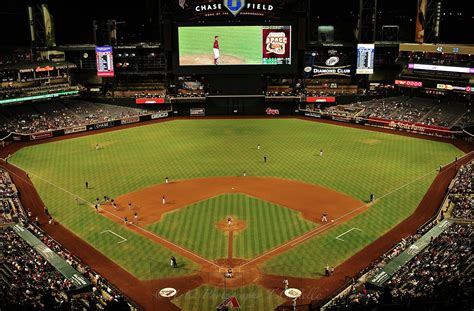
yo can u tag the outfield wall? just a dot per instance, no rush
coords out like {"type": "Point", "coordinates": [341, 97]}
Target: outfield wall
{"type": "Point", "coordinates": [89, 127]}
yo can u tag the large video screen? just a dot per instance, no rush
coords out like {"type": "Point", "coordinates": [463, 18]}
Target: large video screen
{"type": "Point", "coordinates": [234, 45]}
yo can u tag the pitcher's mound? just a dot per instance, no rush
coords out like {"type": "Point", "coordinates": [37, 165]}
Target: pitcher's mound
{"type": "Point", "coordinates": [235, 226]}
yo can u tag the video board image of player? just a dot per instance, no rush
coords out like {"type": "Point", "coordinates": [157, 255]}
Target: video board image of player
{"type": "Point", "coordinates": [234, 45]}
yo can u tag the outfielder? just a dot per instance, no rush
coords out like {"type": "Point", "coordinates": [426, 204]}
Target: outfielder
{"type": "Point", "coordinates": [216, 50]}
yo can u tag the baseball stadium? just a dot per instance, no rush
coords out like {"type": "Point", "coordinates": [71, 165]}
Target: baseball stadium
{"type": "Point", "coordinates": [236, 155]}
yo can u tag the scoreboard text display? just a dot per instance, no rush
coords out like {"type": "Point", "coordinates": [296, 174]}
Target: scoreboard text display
{"type": "Point", "coordinates": [234, 45]}
{"type": "Point", "coordinates": [365, 58]}
{"type": "Point", "coordinates": [104, 60]}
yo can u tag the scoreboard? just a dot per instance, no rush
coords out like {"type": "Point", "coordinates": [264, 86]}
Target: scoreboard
{"type": "Point", "coordinates": [365, 58]}
{"type": "Point", "coordinates": [104, 60]}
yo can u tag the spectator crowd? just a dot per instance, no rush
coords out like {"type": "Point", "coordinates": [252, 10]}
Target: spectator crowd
{"type": "Point", "coordinates": [439, 275]}
{"type": "Point", "coordinates": [10, 205]}
{"type": "Point", "coordinates": [65, 114]}
{"type": "Point", "coordinates": [461, 194]}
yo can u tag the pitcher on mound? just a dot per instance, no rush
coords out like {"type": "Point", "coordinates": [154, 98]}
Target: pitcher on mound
{"type": "Point", "coordinates": [216, 50]}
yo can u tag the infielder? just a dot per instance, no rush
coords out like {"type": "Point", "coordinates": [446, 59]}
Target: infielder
{"type": "Point", "coordinates": [325, 217]}
{"type": "Point", "coordinates": [216, 50]}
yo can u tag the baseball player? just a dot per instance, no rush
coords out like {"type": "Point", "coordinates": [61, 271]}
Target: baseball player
{"type": "Point", "coordinates": [135, 216]}
{"type": "Point", "coordinates": [163, 199]}
{"type": "Point", "coordinates": [258, 146]}
{"type": "Point", "coordinates": [285, 283]}
{"type": "Point", "coordinates": [321, 152]}
{"type": "Point", "coordinates": [229, 221]}
{"type": "Point", "coordinates": [166, 180]}
{"type": "Point", "coordinates": [325, 217]}
{"type": "Point", "coordinates": [216, 50]}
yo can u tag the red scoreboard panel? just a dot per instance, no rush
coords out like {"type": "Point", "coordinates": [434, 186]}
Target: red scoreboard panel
{"type": "Point", "coordinates": [149, 101]}
{"type": "Point", "coordinates": [320, 99]}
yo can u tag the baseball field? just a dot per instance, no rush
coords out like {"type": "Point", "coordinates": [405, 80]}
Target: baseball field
{"type": "Point", "coordinates": [239, 45]}
{"type": "Point", "coordinates": [275, 231]}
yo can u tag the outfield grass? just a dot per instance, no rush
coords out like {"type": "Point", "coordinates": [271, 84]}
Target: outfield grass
{"type": "Point", "coordinates": [268, 225]}
{"type": "Point", "coordinates": [250, 298]}
{"type": "Point", "coordinates": [244, 42]}
{"type": "Point", "coordinates": [355, 162]}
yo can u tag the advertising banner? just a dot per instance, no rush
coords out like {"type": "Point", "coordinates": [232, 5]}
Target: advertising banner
{"type": "Point", "coordinates": [276, 45]}
{"type": "Point", "coordinates": [409, 83]}
{"type": "Point", "coordinates": [272, 112]}
{"type": "Point", "coordinates": [75, 130]}
{"type": "Point", "coordinates": [329, 61]}
{"type": "Point", "coordinates": [159, 115]}
{"type": "Point", "coordinates": [320, 99]}
{"type": "Point", "coordinates": [43, 135]}
{"type": "Point", "coordinates": [102, 125]}
{"type": "Point", "coordinates": [197, 112]}
{"type": "Point", "coordinates": [312, 114]}
{"type": "Point", "coordinates": [130, 120]}
{"type": "Point", "coordinates": [409, 126]}
{"type": "Point", "coordinates": [157, 100]}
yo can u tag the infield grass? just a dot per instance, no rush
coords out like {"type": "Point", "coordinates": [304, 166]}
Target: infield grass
{"type": "Point", "coordinates": [355, 162]}
{"type": "Point", "coordinates": [268, 225]}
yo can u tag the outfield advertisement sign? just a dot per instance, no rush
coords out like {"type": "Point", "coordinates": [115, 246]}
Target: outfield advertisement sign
{"type": "Point", "coordinates": [37, 136]}
{"type": "Point", "coordinates": [102, 125]}
{"type": "Point", "coordinates": [193, 112]}
{"type": "Point", "coordinates": [159, 115]}
{"type": "Point", "coordinates": [411, 127]}
{"type": "Point", "coordinates": [312, 114]}
{"type": "Point", "coordinates": [272, 112]}
{"type": "Point", "coordinates": [75, 130]}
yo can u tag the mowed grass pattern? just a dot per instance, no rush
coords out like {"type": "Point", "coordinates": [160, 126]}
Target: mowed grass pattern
{"type": "Point", "coordinates": [137, 254]}
{"type": "Point", "coordinates": [355, 162]}
{"type": "Point", "coordinates": [194, 227]}
{"type": "Point", "coordinates": [310, 258]}
{"type": "Point", "coordinates": [250, 298]}
{"type": "Point", "coordinates": [244, 42]}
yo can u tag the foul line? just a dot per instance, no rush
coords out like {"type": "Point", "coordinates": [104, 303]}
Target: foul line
{"type": "Point", "coordinates": [118, 217]}
{"type": "Point", "coordinates": [123, 239]}
{"type": "Point", "coordinates": [339, 236]}
{"type": "Point", "coordinates": [310, 234]}
{"type": "Point", "coordinates": [291, 243]}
